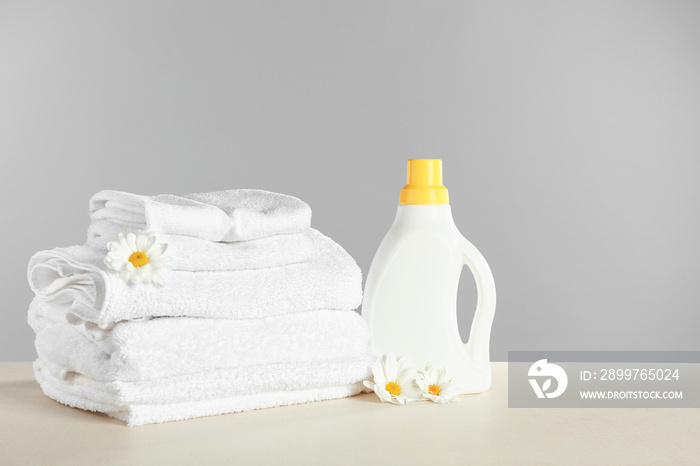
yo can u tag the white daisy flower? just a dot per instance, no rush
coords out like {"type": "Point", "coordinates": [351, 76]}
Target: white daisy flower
{"type": "Point", "coordinates": [139, 258]}
{"type": "Point", "coordinates": [436, 385]}
{"type": "Point", "coordinates": [394, 380]}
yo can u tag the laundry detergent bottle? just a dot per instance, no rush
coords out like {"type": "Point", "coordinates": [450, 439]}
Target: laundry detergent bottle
{"type": "Point", "coordinates": [410, 298]}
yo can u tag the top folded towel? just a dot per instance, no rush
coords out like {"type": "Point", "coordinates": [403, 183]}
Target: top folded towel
{"type": "Point", "coordinates": [233, 215]}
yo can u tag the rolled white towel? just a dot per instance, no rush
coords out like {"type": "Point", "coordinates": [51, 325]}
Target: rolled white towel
{"type": "Point", "coordinates": [233, 215]}
{"type": "Point", "coordinates": [207, 393]}
{"type": "Point", "coordinates": [77, 279]}
{"type": "Point", "coordinates": [166, 347]}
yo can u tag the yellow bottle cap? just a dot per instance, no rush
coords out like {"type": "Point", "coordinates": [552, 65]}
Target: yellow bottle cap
{"type": "Point", "coordinates": [424, 183]}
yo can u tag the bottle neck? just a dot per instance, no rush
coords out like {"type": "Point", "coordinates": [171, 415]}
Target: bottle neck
{"type": "Point", "coordinates": [424, 215]}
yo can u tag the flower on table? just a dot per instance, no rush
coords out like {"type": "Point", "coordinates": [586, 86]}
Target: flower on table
{"type": "Point", "coordinates": [436, 386]}
{"type": "Point", "coordinates": [394, 380]}
{"type": "Point", "coordinates": [139, 258]}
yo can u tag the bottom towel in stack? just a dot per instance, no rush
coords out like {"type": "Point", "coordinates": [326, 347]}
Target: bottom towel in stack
{"type": "Point", "coordinates": [148, 402]}
{"type": "Point", "coordinates": [167, 369]}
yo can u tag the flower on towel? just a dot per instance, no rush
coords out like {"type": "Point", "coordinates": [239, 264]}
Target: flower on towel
{"type": "Point", "coordinates": [394, 380]}
{"type": "Point", "coordinates": [139, 258]}
{"type": "Point", "coordinates": [436, 386]}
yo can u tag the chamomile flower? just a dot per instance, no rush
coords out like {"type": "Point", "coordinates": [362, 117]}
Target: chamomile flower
{"type": "Point", "coordinates": [436, 385]}
{"type": "Point", "coordinates": [394, 380]}
{"type": "Point", "coordinates": [139, 258]}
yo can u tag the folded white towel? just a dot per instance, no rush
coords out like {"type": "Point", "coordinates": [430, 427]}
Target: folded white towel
{"type": "Point", "coordinates": [194, 254]}
{"type": "Point", "coordinates": [233, 215]}
{"type": "Point", "coordinates": [78, 282]}
{"type": "Point", "coordinates": [208, 393]}
{"type": "Point", "coordinates": [166, 347]}
{"type": "Point", "coordinates": [246, 380]}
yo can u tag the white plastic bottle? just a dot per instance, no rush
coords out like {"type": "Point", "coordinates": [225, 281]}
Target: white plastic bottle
{"type": "Point", "coordinates": [410, 296]}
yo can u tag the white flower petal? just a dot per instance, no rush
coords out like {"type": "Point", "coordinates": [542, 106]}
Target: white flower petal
{"type": "Point", "coordinates": [411, 393]}
{"type": "Point", "coordinates": [434, 398]}
{"type": "Point", "coordinates": [142, 242]}
{"type": "Point", "coordinates": [441, 376]}
{"type": "Point", "coordinates": [156, 250]}
{"type": "Point", "coordinates": [378, 373]}
{"type": "Point", "coordinates": [115, 263]}
{"type": "Point", "coordinates": [144, 272]}
{"type": "Point", "coordinates": [151, 240]}
{"type": "Point", "coordinates": [391, 367]}
{"type": "Point", "coordinates": [422, 379]}
{"type": "Point", "coordinates": [131, 242]}
{"type": "Point", "coordinates": [125, 275]}
{"type": "Point", "coordinates": [118, 247]}
{"type": "Point", "coordinates": [385, 396]}
{"type": "Point", "coordinates": [405, 376]}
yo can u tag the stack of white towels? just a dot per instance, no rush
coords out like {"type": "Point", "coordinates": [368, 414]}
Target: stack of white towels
{"type": "Point", "coordinates": [257, 311]}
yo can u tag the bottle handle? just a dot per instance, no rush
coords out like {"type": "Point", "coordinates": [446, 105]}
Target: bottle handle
{"type": "Point", "coordinates": [479, 337]}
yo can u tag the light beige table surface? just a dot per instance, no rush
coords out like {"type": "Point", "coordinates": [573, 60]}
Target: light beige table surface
{"type": "Point", "coordinates": [479, 429]}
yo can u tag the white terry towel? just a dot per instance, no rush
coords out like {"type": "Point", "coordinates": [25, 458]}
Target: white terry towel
{"type": "Point", "coordinates": [233, 215]}
{"type": "Point", "coordinates": [166, 347]}
{"type": "Point", "coordinates": [77, 280]}
{"type": "Point", "coordinates": [208, 393]}
{"type": "Point", "coordinates": [194, 254]}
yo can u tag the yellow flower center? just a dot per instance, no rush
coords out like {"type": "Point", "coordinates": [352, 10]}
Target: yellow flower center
{"type": "Point", "coordinates": [434, 390]}
{"type": "Point", "coordinates": [138, 259]}
{"type": "Point", "coordinates": [393, 388]}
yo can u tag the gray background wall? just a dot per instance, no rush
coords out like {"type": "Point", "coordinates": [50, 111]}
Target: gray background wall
{"type": "Point", "coordinates": [570, 134]}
